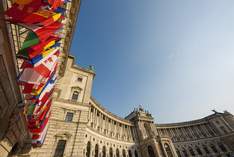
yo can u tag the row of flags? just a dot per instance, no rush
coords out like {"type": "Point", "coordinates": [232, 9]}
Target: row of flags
{"type": "Point", "coordinates": [40, 54]}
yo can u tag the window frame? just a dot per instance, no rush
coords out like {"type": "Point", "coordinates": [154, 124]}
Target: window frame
{"type": "Point", "coordinates": [67, 120]}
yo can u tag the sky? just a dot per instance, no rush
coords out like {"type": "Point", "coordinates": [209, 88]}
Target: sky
{"type": "Point", "coordinates": [173, 57]}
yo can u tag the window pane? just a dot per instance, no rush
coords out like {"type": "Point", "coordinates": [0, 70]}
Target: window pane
{"type": "Point", "coordinates": [75, 95]}
{"type": "Point", "coordinates": [69, 117]}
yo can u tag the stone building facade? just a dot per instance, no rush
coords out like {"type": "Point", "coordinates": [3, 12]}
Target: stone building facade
{"type": "Point", "coordinates": [81, 127]}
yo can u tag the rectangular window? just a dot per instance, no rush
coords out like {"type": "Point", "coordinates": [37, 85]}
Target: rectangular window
{"type": "Point", "coordinates": [59, 151]}
{"type": "Point", "coordinates": [69, 117]}
{"type": "Point", "coordinates": [75, 95]}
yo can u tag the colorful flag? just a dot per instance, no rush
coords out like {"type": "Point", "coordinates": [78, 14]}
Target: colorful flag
{"type": "Point", "coordinates": [41, 17]}
{"type": "Point", "coordinates": [17, 12]}
{"type": "Point", "coordinates": [35, 50]}
{"type": "Point", "coordinates": [55, 3]}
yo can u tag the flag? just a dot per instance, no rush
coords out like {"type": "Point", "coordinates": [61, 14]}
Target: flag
{"type": "Point", "coordinates": [55, 3]}
{"type": "Point", "coordinates": [17, 12]}
{"type": "Point", "coordinates": [35, 50]}
{"type": "Point", "coordinates": [23, 2]}
{"type": "Point", "coordinates": [41, 17]}
{"type": "Point", "coordinates": [40, 140]}
{"type": "Point", "coordinates": [40, 34]}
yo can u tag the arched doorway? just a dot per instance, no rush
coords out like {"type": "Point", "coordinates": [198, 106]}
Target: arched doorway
{"type": "Point", "coordinates": [168, 150]}
{"type": "Point", "coordinates": [104, 151]}
{"type": "Point", "coordinates": [124, 153]}
{"type": "Point", "coordinates": [96, 151]}
{"type": "Point", "coordinates": [111, 152]}
{"type": "Point", "coordinates": [151, 151]}
{"type": "Point", "coordinates": [88, 149]}
{"type": "Point", "coordinates": [117, 152]}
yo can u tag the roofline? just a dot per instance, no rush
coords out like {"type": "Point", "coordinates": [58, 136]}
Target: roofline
{"type": "Point", "coordinates": [76, 66]}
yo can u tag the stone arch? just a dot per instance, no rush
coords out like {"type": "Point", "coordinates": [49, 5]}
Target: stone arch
{"type": "Point", "coordinates": [135, 153]}
{"type": "Point", "coordinates": [110, 152]}
{"type": "Point", "coordinates": [151, 151]}
{"type": "Point", "coordinates": [168, 150]}
{"type": "Point", "coordinates": [129, 153]}
{"type": "Point", "coordinates": [124, 153]}
{"type": "Point", "coordinates": [117, 152]}
{"type": "Point", "coordinates": [88, 149]}
{"type": "Point", "coordinates": [104, 151]}
{"type": "Point", "coordinates": [96, 150]}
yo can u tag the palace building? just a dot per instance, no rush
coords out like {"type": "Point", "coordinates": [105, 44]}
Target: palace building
{"type": "Point", "coordinates": [79, 126]}
{"type": "Point", "coordinates": [82, 127]}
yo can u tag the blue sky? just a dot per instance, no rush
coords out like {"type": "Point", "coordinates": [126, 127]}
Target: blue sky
{"type": "Point", "coordinates": [175, 57]}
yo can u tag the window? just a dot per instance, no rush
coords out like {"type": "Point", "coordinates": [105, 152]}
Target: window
{"type": "Point", "coordinates": [69, 117]}
{"type": "Point", "coordinates": [104, 151]}
{"type": "Point", "coordinates": [129, 153]}
{"type": "Point", "coordinates": [191, 151]}
{"type": "Point", "coordinates": [96, 150]}
{"type": "Point", "coordinates": [75, 95]}
{"type": "Point", "coordinates": [198, 150]}
{"type": "Point", "coordinates": [117, 153]}
{"type": "Point", "coordinates": [88, 149]}
{"type": "Point", "coordinates": [80, 79]}
{"type": "Point", "coordinates": [60, 148]}
{"type": "Point", "coordinates": [135, 153]}
{"type": "Point", "coordinates": [111, 152]}
{"type": "Point", "coordinates": [124, 153]}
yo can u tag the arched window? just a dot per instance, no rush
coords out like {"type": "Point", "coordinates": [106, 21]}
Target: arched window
{"type": "Point", "coordinates": [111, 152]}
{"type": "Point", "coordinates": [168, 150]}
{"type": "Point", "coordinates": [104, 151]}
{"type": "Point", "coordinates": [96, 151]}
{"type": "Point", "coordinates": [88, 149]}
{"type": "Point", "coordinates": [198, 150]}
{"type": "Point", "coordinates": [135, 153]}
{"type": "Point", "coordinates": [206, 149]}
{"type": "Point", "coordinates": [151, 151]}
{"type": "Point", "coordinates": [191, 151]}
{"type": "Point", "coordinates": [213, 148]}
{"type": "Point", "coordinates": [75, 95]}
{"type": "Point", "coordinates": [117, 152]}
{"type": "Point", "coordinates": [129, 153]}
{"type": "Point", "coordinates": [178, 153]}
{"type": "Point", "coordinates": [222, 147]}
{"type": "Point", "coordinates": [124, 153]}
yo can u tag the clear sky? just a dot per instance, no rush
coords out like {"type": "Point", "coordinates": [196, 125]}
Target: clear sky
{"type": "Point", "coordinates": [175, 57]}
